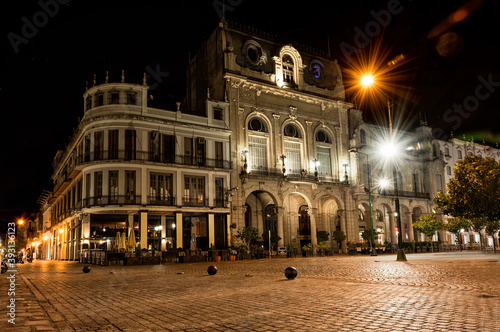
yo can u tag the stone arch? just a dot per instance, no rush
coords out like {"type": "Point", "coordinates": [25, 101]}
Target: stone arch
{"type": "Point", "coordinates": [258, 202]}
{"type": "Point", "coordinates": [406, 228]}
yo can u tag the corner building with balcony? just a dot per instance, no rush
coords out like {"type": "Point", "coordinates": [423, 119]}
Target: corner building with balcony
{"type": "Point", "coordinates": [162, 173]}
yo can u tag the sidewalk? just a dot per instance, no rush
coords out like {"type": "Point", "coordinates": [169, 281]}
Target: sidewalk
{"type": "Point", "coordinates": [429, 292]}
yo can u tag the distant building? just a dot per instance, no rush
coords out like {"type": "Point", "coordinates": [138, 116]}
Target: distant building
{"type": "Point", "coordinates": [451, 152]}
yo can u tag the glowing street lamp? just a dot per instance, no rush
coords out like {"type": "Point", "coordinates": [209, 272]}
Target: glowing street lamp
{"type": "Point", "coordinates": [390, 151]}
{"type": "Point", "coordinates": [367, 80]}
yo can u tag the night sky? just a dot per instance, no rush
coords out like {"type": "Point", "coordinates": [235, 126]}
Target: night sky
{"type": "Point", "coordinates": [43, 70]}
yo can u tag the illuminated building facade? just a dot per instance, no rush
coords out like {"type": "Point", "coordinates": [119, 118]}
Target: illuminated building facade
{"type": "Point", "coordinates": [266, 138]}
{"type": "Point", "coordinates": [163, 173]}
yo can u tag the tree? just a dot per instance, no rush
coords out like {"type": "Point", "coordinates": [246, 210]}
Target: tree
{"type": "Point", "coordinates": [322, 236]}
{"type": "Point", "coordinates": [474, 192]}
{"type": "Point", "coordinates": [455, 225]}
{"type": "Point", "coordinates": [339, 236]}
{"type": "Point", "coordinates": [428, 224]}
{"type": "Point", "coordinates": [367, 236]}
{"type": "Point", "coordinates": [248, 235]}
{"type": "Point", "coordinates": [492, 227]}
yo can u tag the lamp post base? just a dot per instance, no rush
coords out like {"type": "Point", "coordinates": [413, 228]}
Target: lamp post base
{"type": "Point", "coordinates": [401, 255]}
{"type": "Point", "coordinates": [374, 252]}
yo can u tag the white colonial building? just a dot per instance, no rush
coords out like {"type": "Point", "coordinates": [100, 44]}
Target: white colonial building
{"type": "Point", "coordinates": [163, 173]}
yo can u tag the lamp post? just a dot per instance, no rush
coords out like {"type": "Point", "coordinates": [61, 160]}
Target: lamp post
{"type": "Point", "coordinates": [316, 164]}
{"type": "Point", "coordinates": [283, 158]}
{"type": "Point", "coordinates": [367, 81]}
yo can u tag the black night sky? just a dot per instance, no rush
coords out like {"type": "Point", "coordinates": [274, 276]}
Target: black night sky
{"type": "Point", "coordinates": [42, 81]}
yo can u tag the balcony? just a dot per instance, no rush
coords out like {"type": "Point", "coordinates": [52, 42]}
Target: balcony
{"type": "Point", "coordinates": [162, 201]}
{"type": "Point", "coordinates": [187, 201]}
{"type": "Point", "coordinates": [277, 174]}
{"type": "Point", "coordinates": [146, 156]}
{"type": "Point", "coordinates": [402, 193]}
{"type": "Point", "coordinates": [110, 200]}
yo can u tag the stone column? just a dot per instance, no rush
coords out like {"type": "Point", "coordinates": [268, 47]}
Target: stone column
{"type": "Point", "coordinates": [411, 235]}
{"type": "Point", "coordinates": [144, 229]}
{"type": "Point", "coordinates": [178, 233]}
{"type": "Point", "coordinates": [312, 215]}
{"type": "Point", "coordinates": [211, 230]}
{"type": "Point", "coordinates": [392, 223]}
{"type": "Point", "coordinates": [163, 243]}
{"type": "Point", "coordinates": [279, 213]}
{"type": "Point", "coordinates": [343, 228]}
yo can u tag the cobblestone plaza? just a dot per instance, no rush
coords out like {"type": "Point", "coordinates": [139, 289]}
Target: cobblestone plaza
{"type": "Point", "coordinates": [429, 292]}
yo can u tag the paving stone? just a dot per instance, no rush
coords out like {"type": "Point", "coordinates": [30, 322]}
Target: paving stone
{"type": "Point", "coordinates": [331, 293]}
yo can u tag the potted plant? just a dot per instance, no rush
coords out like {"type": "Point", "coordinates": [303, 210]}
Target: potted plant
{"type": "Point", "coordinates": [339, 237]}
{"type": "Point", "coordinates": [307, 249]}
{"type": "Point", "coordinates": [231, 254]}
{"type": "Point", "coordinates": [292, 249]}
{"type": "Point", "coordinates": [353, 248]}
{"type": "Point", "coordinates": [322, 247]}
{"type": "Point", "coordinates": [248, 235]}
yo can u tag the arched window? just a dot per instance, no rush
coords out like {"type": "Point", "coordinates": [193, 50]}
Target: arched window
{"type": "Point", "coordinates": [362, 136]}
{"type": "Point", "coordinates": [257, 144]}
{"type": "Point", "coordinates": [323, 153]}
{"type": "Point", "coordinates": [446, 151]}
{"type": "Point", "coordinates": [288, 68]}
{"type": "Point", "coordinates": [293, 149]}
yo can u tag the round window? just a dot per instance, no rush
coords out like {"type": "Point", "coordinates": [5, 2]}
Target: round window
{"type": "Point", "coordinates": [321, 136]}
{"type": "Point", "coordinates": [256, 125]}
{"type": "Point", "coordinates": [316, 71]}
{"type": "Point", "coordinates": [291, 131]}
{"type": "Point", "coordinates": [252, 54]}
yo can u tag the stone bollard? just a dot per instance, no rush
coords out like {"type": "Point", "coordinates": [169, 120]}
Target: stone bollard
{"type": "Point", "coordinates": [212, 270]}
{"type": "Point", "coordinates": [290, 273]}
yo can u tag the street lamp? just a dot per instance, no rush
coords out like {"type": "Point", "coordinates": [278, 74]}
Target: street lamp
{"type": "Point", "coordinates": [283, 158]}
{"type": "Point", "coordinates": [389, 151]}
{"type": "Point", "coordinates": [316, 164]}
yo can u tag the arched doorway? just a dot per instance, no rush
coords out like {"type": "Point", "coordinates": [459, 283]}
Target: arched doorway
{"type": "Point", "coordinates": [270, 219]}
{"type": "Point", "coordinates": [261, 212]}
{"type": "Point", "coordinates": [304, 225]}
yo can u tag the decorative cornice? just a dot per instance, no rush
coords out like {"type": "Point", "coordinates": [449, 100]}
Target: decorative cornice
{"type": "Point", "coordinates": [325, 103]}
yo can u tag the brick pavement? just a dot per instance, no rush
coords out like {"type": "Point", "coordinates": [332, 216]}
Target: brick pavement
{"type": "Point", "coordinates": [430, 292]}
